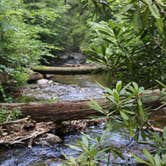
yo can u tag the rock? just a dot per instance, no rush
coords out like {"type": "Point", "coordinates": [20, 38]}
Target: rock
{"type": "Point", "coordinates": [10, 162]}
{"type": "Point", "coordinates": [34, 76]}
{"type": "Point", "coordinates": [48, 139]}
{"type": "Point", "coordinates": [66, 58]}
{"type": "Point", "coordinates": [74, 58]}
{"type": "Point", "coordinates": [44, 82]}
{"type": "Point", "coordinates": [49, 76]}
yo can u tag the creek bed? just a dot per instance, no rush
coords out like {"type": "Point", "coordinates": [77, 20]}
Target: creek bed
{"type": "Point", "coordinates": [74, 87]}
{"type": "Point", "coordinates": [53, 155]}
{"type": "Point", "coordinates": [65, 88]}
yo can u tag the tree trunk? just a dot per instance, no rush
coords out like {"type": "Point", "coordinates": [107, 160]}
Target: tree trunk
{"type": "Point", "coordinates": [60, 111]}
{"type": "Point", "coordinates": [72, 110]}
{"type": "Point", "coordinates": [79, 69]}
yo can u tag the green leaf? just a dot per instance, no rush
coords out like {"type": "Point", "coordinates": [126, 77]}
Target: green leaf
{"type": "Point", "coordinates": [153, 8]}
{"type": "Point", "coordinates": [85, 141]}
{"type": "Point", "coordinates": [139, 160]}
{"type": "Point", "coordinates": [116, 95]}
{"type": "Point", "coordinates": [164, 133]}
{"type": "Point", "coordinates": [157, 160]}
{"type": "Point", "coordinates": [135, 85]}
{"type": "Point", "coordinates": [129, 112]}
{"type": "Point", "coordinates": [148, 156]}
{"type": "Point", "coordinates": [137, 21]}
{"type": "Point", "coordinates": [160, 83]}
{"type": "Point", "coordinates": [119, 86]}
{"type": "Point", "coordinates": [75, 148]}
{"type": "Point", "coordinates": [94, 105]}
{"type": "Point", "coordinates": [124, 116]}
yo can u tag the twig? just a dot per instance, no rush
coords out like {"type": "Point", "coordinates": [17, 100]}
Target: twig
{"type": "Point", "coordinates": [160, 107]}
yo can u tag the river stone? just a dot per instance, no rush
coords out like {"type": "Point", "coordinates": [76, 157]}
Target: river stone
{"type": "Point", "coordinates": [48, 140]}
{"type": "Point", "coordinates": [44, 82]}
{"type": "Point", "coordinates": [74, 58]}
{"type": "Point", "coordinates": [34, 76]}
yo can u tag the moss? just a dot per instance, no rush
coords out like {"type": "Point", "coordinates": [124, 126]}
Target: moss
{"type": "Point", "coordinates": [82, 69]}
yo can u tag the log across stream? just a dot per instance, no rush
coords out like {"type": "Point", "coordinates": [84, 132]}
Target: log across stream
{"type": "Point", "coordinates": [71, 69]}
{"type": "Point", "coordinates": [61, 111]}
{"type": "Point", "coordinates": [71, 110]}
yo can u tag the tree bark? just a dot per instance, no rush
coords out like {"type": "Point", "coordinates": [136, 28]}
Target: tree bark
{"type": "Point", "coordinates": [60, 111]}
{"type": "Point", "coordinates": [73, 110]}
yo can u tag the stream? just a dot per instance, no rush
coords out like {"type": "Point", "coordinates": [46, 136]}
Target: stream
{"type": "Point", "coordinates": [52, 156]}
{"type": "Point", "coordinates": [72, 87]}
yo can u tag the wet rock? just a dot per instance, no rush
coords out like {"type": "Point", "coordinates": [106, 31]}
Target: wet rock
{"type": "Point", "coordinates": [10, 162]}
{"type": "Point", "coordinates": [48, 90]}
{"type": "Point", "coordinates": [68, 58]}
{"type": "Point", "coordinates": [49, 76]}
{"type": "Point", "coordinates": [34, 76]}
{"type": "Point", "coordinates": [74, 58]}
{"type": "Point", "coordinates": [44, 82]}
{"type": "Point", "coordinates": [48, 140]}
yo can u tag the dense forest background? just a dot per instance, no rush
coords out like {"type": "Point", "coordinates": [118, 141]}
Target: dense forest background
{"type": "Point", "coordinates": [129, 37]}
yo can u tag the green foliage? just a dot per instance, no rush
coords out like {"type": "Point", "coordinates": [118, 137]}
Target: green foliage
{"type": "Point", "coordinates": [27, 32]}
{"type": "Point", "coordinates": [127, 108]}
{"type": "Point", "coordinates": [7, 115]}
{"type": "Point", "coordinates": [41, 15]}
{"type": "Point", "coordinates": [114, 45]}
{"type": "Point", "coordinates": [72, 30]}
{"type": "Point", "coordinates": [151, 160]}
{"type": "Point", "coordinates": [127, 103]}
{"type": "Point", "coordinates": [133, 40]}
{"type": "Point", "coordinates": [19, 46]}
{"type": "Point", "coordinates": [93, 151]}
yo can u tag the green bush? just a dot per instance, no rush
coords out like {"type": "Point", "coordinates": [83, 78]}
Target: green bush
{"type": "Point", "coordinates": [7, 115]}
{"type": "Point", "coordinates": [132, 41]}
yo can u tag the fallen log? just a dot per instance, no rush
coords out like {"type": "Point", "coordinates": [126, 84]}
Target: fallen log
{"type": "Point", "coordinates": [60, 111]}
{"type": "Point", "coordinates": [73, 110]}
{"type": "Point", "coordinates": [79, 69]}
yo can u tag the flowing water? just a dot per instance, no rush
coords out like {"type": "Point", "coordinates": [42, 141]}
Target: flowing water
{"type": "Point", "coordinates": [73, 87]}
{"type": "Point", "coordinates": [66, 87]}
{"type": "Point", "coordinates": [53, 155]}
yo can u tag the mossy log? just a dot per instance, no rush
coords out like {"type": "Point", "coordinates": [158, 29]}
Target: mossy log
{"type": "Point", "coordinates": [75, 69]}
{"type": "Point", "coordinates": [73, 110]}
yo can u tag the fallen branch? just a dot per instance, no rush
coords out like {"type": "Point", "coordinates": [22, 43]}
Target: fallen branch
{"type": "Point", "coordinates": [154, 128]}
{"type": "Point", "coordinates": [23, 130]}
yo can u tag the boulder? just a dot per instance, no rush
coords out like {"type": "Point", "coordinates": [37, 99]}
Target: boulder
{"type": "Point", "coordinates": [44, 82]}
{"type": "Point", "coordinates": [48, 140]}
{"type": "Point", "coordinates": [34, 77]}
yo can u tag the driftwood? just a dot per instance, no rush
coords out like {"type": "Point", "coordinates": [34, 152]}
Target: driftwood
{"type": "Point", "coordinates": [27, 132]}
{"type": "Point", "coordinates": [23, 130]}
{"type": "Point", "coordinates": [79, 69]}
{"type": "Point", "coordinates": [72, 110]}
